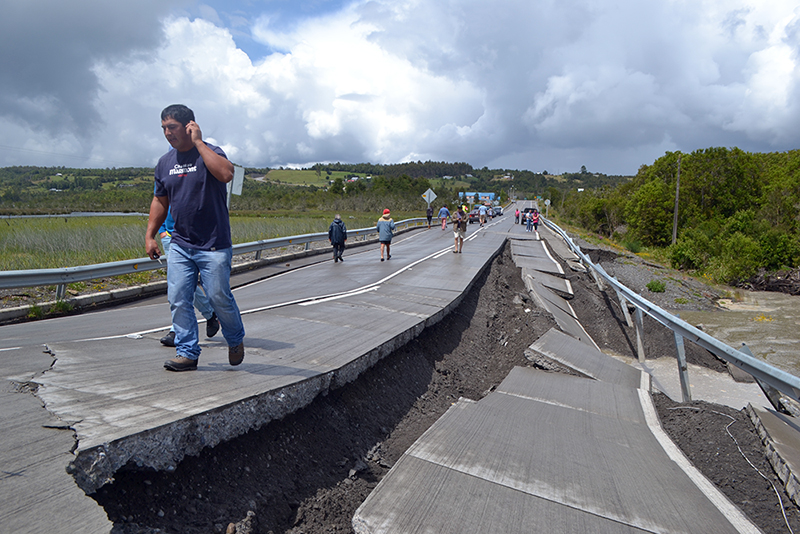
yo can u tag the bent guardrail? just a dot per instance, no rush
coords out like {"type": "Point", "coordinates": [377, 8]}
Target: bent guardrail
{"type": "Point", "coordinates": [765, 374]}
{"type": "Point", "coordinates": [68, 275]}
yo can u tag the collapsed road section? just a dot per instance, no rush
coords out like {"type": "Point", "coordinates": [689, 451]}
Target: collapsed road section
{"type": "Point", "coordinates": [309, 331]}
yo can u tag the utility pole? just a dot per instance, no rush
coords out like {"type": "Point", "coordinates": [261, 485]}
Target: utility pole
{"type": "Point", "coordinates": [677, 193]}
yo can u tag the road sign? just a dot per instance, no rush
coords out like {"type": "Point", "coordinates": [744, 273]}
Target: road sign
{"type": "Point", "coordinates": [429, 196]}
{"type": "Point", "coordinates": [235, 185]}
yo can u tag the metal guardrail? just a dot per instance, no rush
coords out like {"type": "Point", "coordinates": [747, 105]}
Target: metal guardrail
{"type": "Point", "coordinates": [69, 275]}
{"type": "Point", "coordinates": [767, 376]}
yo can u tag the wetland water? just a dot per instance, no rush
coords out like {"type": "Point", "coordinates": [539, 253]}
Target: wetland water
{"type": "Point", "coordinates": [768, 322]}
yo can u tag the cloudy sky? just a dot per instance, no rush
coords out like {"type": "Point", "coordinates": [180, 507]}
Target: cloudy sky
{"type": "Point", "coordinates": [520, 84]}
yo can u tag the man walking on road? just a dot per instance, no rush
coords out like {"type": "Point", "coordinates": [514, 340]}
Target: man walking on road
{"type": "Point", "coordinates": [191, 181]}
{"type": "Point", "coordinates": [444, 213]}
{"type": "Point", "coordinates": [482, 214]}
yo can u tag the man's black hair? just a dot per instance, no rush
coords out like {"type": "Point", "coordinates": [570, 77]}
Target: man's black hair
{"type": "Point", "coordinates": [179, 112]}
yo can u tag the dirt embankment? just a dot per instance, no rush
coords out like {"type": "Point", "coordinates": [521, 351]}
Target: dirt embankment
{"type": "Point", "coordinates": [310, 471]}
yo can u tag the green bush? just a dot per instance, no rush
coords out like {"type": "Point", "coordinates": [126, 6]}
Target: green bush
{"type": "Point", "coordinates": [739, 259]}
{"type": "Point", "coordinates": [656, 286]}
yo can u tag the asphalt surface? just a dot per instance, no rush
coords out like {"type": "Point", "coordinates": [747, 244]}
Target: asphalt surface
{"type": "Point", "coordinates": [100, 374]}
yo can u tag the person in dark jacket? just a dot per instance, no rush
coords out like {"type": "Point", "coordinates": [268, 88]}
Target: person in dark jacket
{"type": "Point", "coordinates": [337, 235]}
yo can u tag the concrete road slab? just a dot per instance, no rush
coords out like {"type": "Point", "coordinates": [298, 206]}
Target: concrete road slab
{"type": "Point", "coordinates": [554, 457]}
{"type": "Point", "coordinates": [528, 247]}
{"type": "Point", "coordinates": [444, 501]}
{"type": "Point", "coordinates": [557, 244]}
{"type": "Point", "coordinates": [548, 299]}
{"type": "Point", "coordinates": [560, 285]}
{"type": "Point", "coordinates": [36, 492]}
{"type": "Point", "coordinates": [562, 311]}
{"type": "Point", "coordinates": [597, 397]}
{"type": "Point", "coordinates": [568, 351]}
{"type": "Point", "coordinates": [544, 265]}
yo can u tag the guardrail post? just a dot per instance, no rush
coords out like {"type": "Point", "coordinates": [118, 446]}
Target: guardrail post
{"type": "Point", "coordinates": [61, 291]}
{"type": "Point", "coordinates": [639, 334]}
{"type": "Point", "coordinates": [600, 285]}
{"type": "Point", "coordinates": [258, 255]}
{"type": "Point", "coordinates": [624, 305]}
{"type": "Point", "coordinates": [308, 246]}
{"type": "Point", "coordinates": [683, 369]}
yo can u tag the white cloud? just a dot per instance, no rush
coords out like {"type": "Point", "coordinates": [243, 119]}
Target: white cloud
{"type": "Point", "coordinates": [509, 83]}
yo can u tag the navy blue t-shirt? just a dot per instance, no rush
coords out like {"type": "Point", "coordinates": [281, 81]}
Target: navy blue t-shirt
{"type": "Point", "coordinates": [197, 200]}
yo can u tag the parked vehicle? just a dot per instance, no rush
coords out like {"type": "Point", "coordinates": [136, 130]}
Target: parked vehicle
{"type": "Point", "coordinates": [474, 216]}
{"type": "Point", "coordinates": [498, 211]}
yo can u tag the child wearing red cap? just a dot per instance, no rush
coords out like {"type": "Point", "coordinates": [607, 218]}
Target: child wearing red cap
{"type": "Point", "coordinates": [386, 229]}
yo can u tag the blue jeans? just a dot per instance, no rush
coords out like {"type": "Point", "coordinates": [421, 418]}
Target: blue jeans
{"type": "Point", "coordinates": [214, 267]}
{"type": "Point", "coordinates": [200, 298]}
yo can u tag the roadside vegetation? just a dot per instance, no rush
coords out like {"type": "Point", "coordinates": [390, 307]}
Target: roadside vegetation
{"type": "Point", "coordinates": [57, 242]}
{"type": "Point", "coordinates": [274, 203]}
{"type": "Point", "coordinates": [738, 212]}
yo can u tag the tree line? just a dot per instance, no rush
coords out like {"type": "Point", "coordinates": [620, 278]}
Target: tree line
{"type": "Point", "coordinates": [738, 212]}
{"type": "Point", "coordinates": [31, 190]}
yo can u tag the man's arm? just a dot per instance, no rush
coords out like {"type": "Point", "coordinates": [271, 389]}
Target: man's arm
{"type": "Point", "coordinates": [158, 213]}
{"type": "Point", "coordinates": [219, 167]}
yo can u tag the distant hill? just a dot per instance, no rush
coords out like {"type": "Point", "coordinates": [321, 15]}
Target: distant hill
{"type": "Point", "coordinates": [25, 190]}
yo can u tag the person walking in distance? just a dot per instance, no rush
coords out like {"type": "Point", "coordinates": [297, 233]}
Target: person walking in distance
{"type": "Point", "coordinates": [535, 220]}
{"type": "Point", "coordinates": [444, 213]}
{"type": "Point", "coordinates": [482, 214]}
{"type": "Point", "coordinates": [459, 228]}
{"type": "Point", "coordinates": [191, 181]}
{"type": "Point", "coordinates": [528, 221]}
{"type": "Point", "coordinates": [337, 235]}
{"type": "Point", "coordinates": [200, 298]}
{"type": "Point", "coordinates": [429, 215]}
{"type": "Point", "coordinates": [516, 216]}
{"type": "Point", "coordinates": [386, 229]}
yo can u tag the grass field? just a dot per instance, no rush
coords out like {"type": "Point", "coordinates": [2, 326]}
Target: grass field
{"type": "Point", "coordinates": [453, 184]}
{"type": "Point", "coordinates": [298, 177]}
{"type": "Point", "coordinates": [58, 242]}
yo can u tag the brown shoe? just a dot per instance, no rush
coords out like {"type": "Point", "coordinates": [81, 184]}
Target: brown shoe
{"type": "Point", "coordinates": [236, 354]}
{"type": "Point", "coordinates": [180, 363]}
